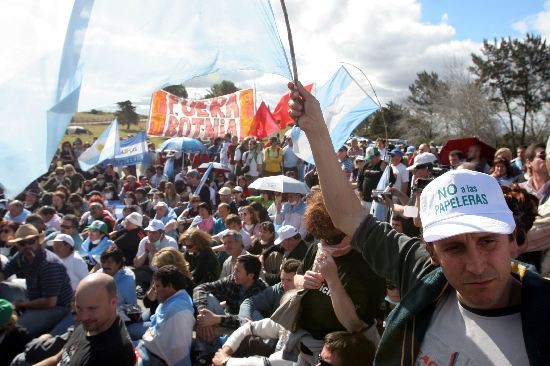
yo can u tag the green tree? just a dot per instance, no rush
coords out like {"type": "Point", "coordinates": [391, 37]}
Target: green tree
{"type": "Point", "coordinates": [516, 73]}
{"type": "Point", "coordinates": [223, 88]}
{"type": "Point", "coordinates": [126, 114]}
{"type": "Point", "coordinates": [177, 89]}
{"type": "Point", "coordinates": [426, 94]}
{"type": "Point", "coordinates": [391, 115]}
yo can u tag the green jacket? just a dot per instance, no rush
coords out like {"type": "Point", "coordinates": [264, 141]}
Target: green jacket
{"type": "Point", "coordinates": [405, 261]}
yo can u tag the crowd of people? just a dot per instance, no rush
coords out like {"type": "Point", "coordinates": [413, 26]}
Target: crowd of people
{"type": "Point", "coordinates": [153, 265]}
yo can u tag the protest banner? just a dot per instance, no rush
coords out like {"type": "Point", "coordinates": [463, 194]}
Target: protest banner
{"type": "Point", "coordinates": [173, 116]}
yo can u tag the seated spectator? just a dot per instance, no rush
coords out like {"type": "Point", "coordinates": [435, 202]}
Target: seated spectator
{"type": "Point", "coordinates": [212, 318]}
{"type": "Point", "coordinates": [166, 215]}
{"type": "Point", "coordinates": [49, 289]}
{"type": "Point", "coordinates": [226, 196]}
{"type": "Point", "coordinates": [59, 202]}
{"type": "Point", "coordinates": [291, 212]}
{"type": "Point", "coordinates": [101, 337]}
{"type": "Point", "coordinates": [13, 337]}
{"type": "Point", "coordinates": [250, 221]}
{"type": "Point", "coordinates": [266, 302]}
{"type": "Point", "coordinates": [7, 233]}
{"type": "Point", "coordinates": [170, 334]}
{"type": "Point", "coordinates": [77, 204]}
{"type": "Point", "coordinates": [129, 238]}
{"type": "Point", "coordinates": [345, 348]}
{"type": "Point", "coordinates": [289, 244]}
{"type": "Point", "coordinates": [16, 212]}
{"type": "Point", "coordinates": [57, 179]}
{"type": "Point", "coordinates": [233, 246]}
{"type": "Point", "coordinates": [148, 246]}
{"type": "Point", "coordinates": [32, 199]}
{"type": "Point", "coordinates": [69, 226]}
{"type": "Point", "coordinates": [112, 263]}
{"type": "Point", "coordinates": [76, 178]}
{"type": "Point", "coordinates": [50, 217]}
{"type": "Point", "coordinates": [502, 172]}
{"type": "Point", "coordinates": [97, 212]}
{"type": "Point", "coordinates": [185, 219]}
{"type": "Point", "coordinates": [238, 197]}
{"type": "Point", "coordinates": [219, 222]}
{"type": "Point", "coordinates": [77, 269]}
{"type": "Point", "coordinates": [265, 238]}
{"type": "Point", "coordinates": [233, 222]}
{"type": "Point", "coordinates": [203, 264]}
{"type": "Point", "coordinates": [95, 244]}
{"type": "Point", "coordinates": [204, 220]}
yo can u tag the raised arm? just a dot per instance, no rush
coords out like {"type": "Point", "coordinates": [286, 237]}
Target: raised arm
{"type": "Point", "coordinates": [342, 204]}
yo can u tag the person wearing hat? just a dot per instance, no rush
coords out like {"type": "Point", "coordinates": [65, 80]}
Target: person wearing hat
{"type": "Point", "coordinates": [148, 246]}
{"type": "Point", "coordinates": [399, 171]}
{"type": "Point", "coordinates": [461, 271]}
{"type": "Point", "coordinates": [128, 238]}
{"type": "Point", "coordinates": [96, 242]}
{"type": "Point", "coordinates": [77, 269]}
{"type": "Point", "coordinates": [97, 212]}
{"type": "Point", "coordinates": [368, 177]}
{"type": "Point", "coordinates": [273, 158]}
{"type": "Point", "coordinates": [358, 165]}
{"type": "Point", "coordinates": [49, 290]}
{"type": "Point", "coordinates": [226, 196]}
{"type": "Point", "coordinates": [345, 162]}
{"type": "Point", "coordinates": [13, 337]}
{"type": "Point", "coordinates": [237, 193]}
{"type": "Point", "coordinates": [167, 216]}
{"type": "Point", "coordinates": [291, 243]}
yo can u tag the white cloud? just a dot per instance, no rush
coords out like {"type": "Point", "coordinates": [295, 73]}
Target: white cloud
{"type": "Point", "coordinates": [538, 23]}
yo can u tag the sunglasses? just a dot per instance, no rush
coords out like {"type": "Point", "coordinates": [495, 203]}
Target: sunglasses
{"type": "Point", "coordinates": [322, 362]}
{"type": "Point", "coordinates": [24, 243]}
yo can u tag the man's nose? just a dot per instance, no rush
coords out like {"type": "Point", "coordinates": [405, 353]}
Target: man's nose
{"type": "Point", "coordinates": [476, 262]}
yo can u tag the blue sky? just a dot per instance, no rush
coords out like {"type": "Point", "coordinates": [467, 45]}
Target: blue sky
{"type": "Point", "coordinates": [479, 19]}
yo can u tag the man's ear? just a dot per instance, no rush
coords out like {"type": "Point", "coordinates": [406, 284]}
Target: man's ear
{"type": "Point", "coordinates": [430, 249]}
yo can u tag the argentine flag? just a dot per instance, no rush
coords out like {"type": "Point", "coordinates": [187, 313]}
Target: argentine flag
{"type": "Point", "coordinates": [344, 104]}
{"type": "Point", "coordinates": [106, 147]}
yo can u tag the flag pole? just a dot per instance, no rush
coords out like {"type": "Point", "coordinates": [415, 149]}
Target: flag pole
{"type": "Point", "coordinates": [291, 45]}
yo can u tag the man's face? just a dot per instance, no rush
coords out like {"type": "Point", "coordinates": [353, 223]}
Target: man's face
{"type": "Point", "coordinates": [397, 225]}
{"type": "Point", "coordinates": [380, 145]}
{"type": "Point", "coordinates": [289, 244]}
{"type": "Point", "coordinates": [538, 164]}
{"type": "Point", "coordinates": [240, 275]}
{"type": "Point", "coordinates": [424, 148]}
{"type": "Point", "coordinates": [28, 247]}
{"type": "Point", "coordinates": [421, 173]}
{"type": "Point", "coordinates": [30, 198]}
{"type": "Point", "coordinates": [520, 152]}
{"type": "Point", "coordinates": [163, 292]}
{"type": "Point", "coordinates": [395, 159]}
{"type": "Point", "coordinates": [95, 235]}
{"type": "Point", "coordinates": [14, 210]}
{"type": "Point", "coordinates": [96, 211]}
{"type": "Point", "coordinates": [161, 211]}
{"type": "Point", "coordinates": [62, 249]}
{"type": "Point", "coordinates": [328, 358]}
{"type": "Point", "coordinates": [287, 280]}
{"type": "Point", "coordinates": [111, 267]}
{"type": "Point", "coordinates": [232, 246]}
{"type": "Point", "coordinates": [225, 198]}
{"type": "Point", "coordinates": [473, 152]}
{"type": "Point", "coordinates": [153, 236]}
{"type": "Point", "coordinates": [454, 160]}
{"type": "Point", "coordinates": [477, 266]}
{"type": "Point", "coordinates": [95, 308]}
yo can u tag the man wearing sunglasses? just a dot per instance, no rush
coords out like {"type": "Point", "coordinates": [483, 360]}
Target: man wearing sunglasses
{"type": "Point", "coordinates": [539, 178]}
{"type": "Point", "coordinates": [49, 290]}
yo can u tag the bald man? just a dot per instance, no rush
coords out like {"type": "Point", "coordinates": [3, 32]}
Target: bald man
{"type": "Point", "coordinates": [101, 337]}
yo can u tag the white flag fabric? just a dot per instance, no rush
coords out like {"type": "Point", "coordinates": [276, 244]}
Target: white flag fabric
{"type": "Point", "coordinates": [64, 56]}
{"type": "Point", "coordinates": [344, 104]}
{"type": "Point", "coordinates": [107, 146]}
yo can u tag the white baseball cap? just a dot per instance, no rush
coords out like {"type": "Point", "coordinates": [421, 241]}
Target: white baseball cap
{"type": "Point", "coordinates": [135, 218]}
{"type": "Point", "coordinates": [224, 191]}
{"type": "Point", "coordinates": [64, 238]}
{"type": "Point", "coordinates": [161, 204]}
{"type": "Point", "coordinates": [238, 189]}
{"type": "Point", "coordinates": [155, 225]}
{"type": "Point", "coordinates": [461, 202]}
{"type": "Point", "coordinates": [285, 232]}
{"type": "Point", "coordinates": [422, 159]}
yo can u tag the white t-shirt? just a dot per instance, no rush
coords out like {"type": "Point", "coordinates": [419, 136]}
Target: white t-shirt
{"type": "Point", "coordinates": [167, 241]}
{"type": "Point", "coordinates": [76, 267]}
{"type": "Point", "coordinates": [248, 159]}
{"type": "Point", "coordinates": [401, 175]}
{"type": "Point", "coordinates": [459, 337]}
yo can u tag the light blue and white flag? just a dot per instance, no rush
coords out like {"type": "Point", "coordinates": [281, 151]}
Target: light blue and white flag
{"type": "Point", "coordinates": [133, 150]}
{"type": "Point", "coordinates": [344, 104]}
{"type": "Point", "coordinates": [107, 146]}
{"type": "Point", "coordinates": [66, 56]}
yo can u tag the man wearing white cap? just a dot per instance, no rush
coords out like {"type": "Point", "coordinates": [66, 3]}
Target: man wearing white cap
{"type": "Point", "coordinates": [128, 238]}
{"type": "Point", "coordinates": [463, 299]}
{"type": "Point", "coordinates": [290, 240]}
{"type": "Point", "coordinates": [166, 215]}
{"type": "Point", "coordinates": [77, 269]}
{"type": "Point", "coordinates": [148, 246]}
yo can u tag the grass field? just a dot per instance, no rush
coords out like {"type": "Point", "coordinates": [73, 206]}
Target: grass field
{"type": "Point", "coordinates": [98, 126]}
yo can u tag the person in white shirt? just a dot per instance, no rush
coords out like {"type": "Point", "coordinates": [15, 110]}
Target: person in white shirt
{"type": "Point", "coordinates": [77, 269]}
{"type": "Point", "coordinates": [399, 171]}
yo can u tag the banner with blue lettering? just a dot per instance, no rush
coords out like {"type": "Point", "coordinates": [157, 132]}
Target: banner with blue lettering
{"type": "Point", "coordinates": [133, 151]}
